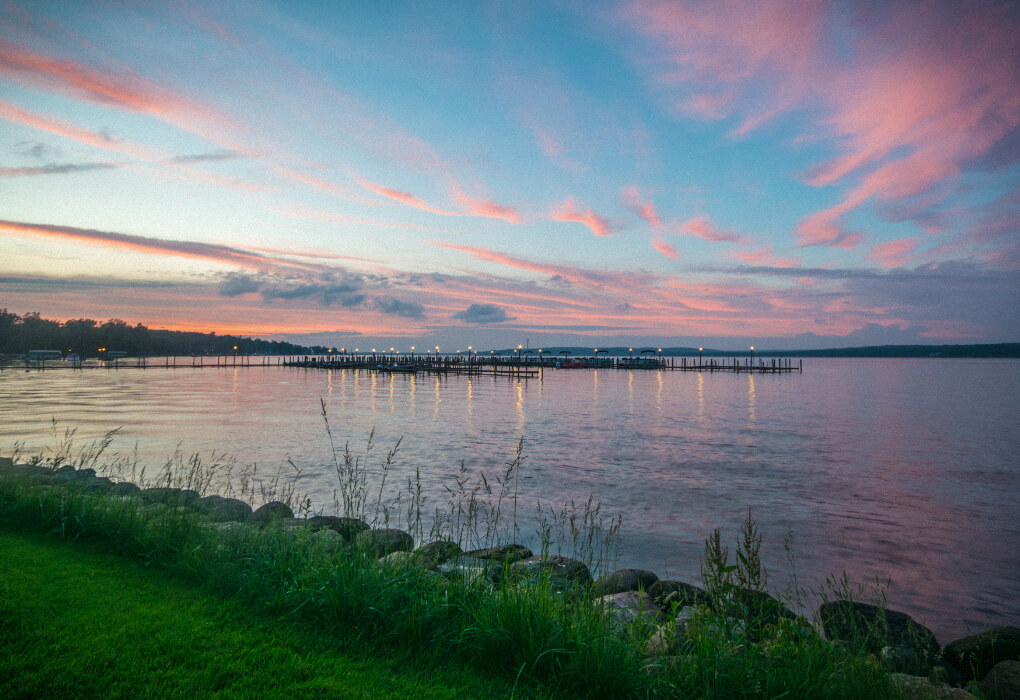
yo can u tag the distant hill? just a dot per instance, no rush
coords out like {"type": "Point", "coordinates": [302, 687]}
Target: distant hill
{"type": "Point", "coordinates": [987, 350]}
{"type": "Point", "coordinates": [84, 336]}
{"type": "Point", "coordinates": [983, 350]}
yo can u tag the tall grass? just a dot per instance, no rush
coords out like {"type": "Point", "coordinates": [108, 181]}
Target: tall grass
{"type": "Point", "coordinates": [531, 631]}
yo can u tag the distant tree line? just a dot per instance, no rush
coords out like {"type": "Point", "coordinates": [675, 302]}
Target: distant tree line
{"type": "Point", "coordinates": [20, 334]}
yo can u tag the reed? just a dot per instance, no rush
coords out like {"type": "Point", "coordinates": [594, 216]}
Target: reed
{"type": "Point", "coordinates": [544, 639]}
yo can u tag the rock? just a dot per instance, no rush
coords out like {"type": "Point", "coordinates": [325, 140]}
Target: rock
{"type": "Point", "coordinates": [220, 509]}
{"type": "Point", "coordinates": [563, 572]}
{"type": "Point", "coordinates": [920, 688]}
{"type": "Point", "coordinates": [975, 655]}
{"type": "Point", "coordinates": [382, 541]}
{"type": "Point", "coordinates": [667, 593]}
{"type": "Point", "coordinates": [170, 496]}
{"type": "Point", "coordinates": [508, 553]}
{"type": "Point", "coordinates": [907, 645]}
{"type": "Point", "coordinates": [471, 568]}
{"type": "Point", "coordinates": [124, 488]}
{"type": "Point", "coordinates": [666, 640]}
{"type": "Point", "coordinates": [624, 580]}
{"type": "Point", "coordinates": [400, 558]}
{"type": "Point", "coordinates": [1003, 681]}
{"type": "Point", "coordinates": [347, 528]}
{"type": "Point", "coordinates": [627, 607]}
{"type": "Point", "coordinates": [438, 552]}
{"type": "Point", "coordinates": [274, 510]}
{"type": "Point", "coordinates": [85, 474]}
{"type": "Point", "coordinates": [6, 463]}
{"type": "Point", "coordinates": [762, 606]}
{"type": "Point", "coordinates": [98, 484]}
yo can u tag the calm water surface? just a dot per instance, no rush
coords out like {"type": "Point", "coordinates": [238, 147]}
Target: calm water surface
{"type": "Point", "coordinates": [891, 469]}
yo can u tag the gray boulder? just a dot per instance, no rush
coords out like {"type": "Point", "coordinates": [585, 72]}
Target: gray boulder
{"type": "Point", "coordinates": [6, 464]}
{"type": "Point", "coordinates": [974, 656]}
{"type": "Point", "coordinates": [274, 510]}
{"type": "Point", "coordinates": [97, 484]}
{"type": "Point", "coordinates": [170, 496]}
{"type": "Point", "coordinates": [220, 509]}
{"type": "Point", "coordinates": [627, 607]}
{"type": "Point", "coordinates": [124, 488]}
{"type": "Point", "coordinates": [1003, 681]}
{"type": "Point", "coordinates": [508, 553]}
{"type": "Point", "coordinates": [909, 646]}
{"type": "Point", "coordinates": [670, 594]}
{"type": "Point", "coordinates": [347, 528]}
{"type": "Point", "coordinates": [383, 541]}
{"type": "Point", "coordinates": [624, 580]}
{"type": "Point", "coordinates": [563, 572]}
{"type": "Point", "coordinates": [438, 552]}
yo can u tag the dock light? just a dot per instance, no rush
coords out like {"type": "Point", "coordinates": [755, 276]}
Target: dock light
{"type": "Point", "coordinates": [752, 354]}
{"type": "Point", "coordinates": [630, 351]}
{"type": "Point", "coordinates": [700, 350]}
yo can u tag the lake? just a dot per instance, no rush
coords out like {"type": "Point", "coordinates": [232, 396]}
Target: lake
{"type": "Point", "coordinates": [888, 469]}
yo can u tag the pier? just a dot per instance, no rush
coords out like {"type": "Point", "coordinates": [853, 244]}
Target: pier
{"type": "Point", "coordinates": [515, 364]}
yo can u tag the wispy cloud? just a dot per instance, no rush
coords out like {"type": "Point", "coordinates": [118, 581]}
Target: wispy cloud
{"type": "Point", "coordinates": [486, 207]}
{"type": "Point", "coordinates": [123, 89]}
{"type": "Point", "coordinates": [702, 227]}
{"type": "Point", "coordinates": [56, 169]}
{"type": "Point", "coordinates": [569, 211]}
{"type": "Point", "coordinates": [214, 157]}
{"type": "Point", "coordinates": [405, 198]}
{"type": "Point", "coordinates": [764, 256]}
{"type": "Point", "coordinates": [640, 206]}
{"type": "Point", "coordinates": [145, 244]}
{"type": "Point", "coordinates": [665, 248]}
{"type": "Point", "coordinates": [914, 93]}
{"type": "Point", "coordinates": [893, 253]}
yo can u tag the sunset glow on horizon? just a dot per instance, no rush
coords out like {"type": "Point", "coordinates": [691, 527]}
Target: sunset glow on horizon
{"type": "Point", "coordinates": [644, 172]}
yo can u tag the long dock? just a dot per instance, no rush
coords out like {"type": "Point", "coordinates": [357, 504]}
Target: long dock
{"type": "Point", "coordinates": [513, 365]}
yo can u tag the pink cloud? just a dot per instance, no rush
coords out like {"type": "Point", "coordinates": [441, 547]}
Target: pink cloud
{"type": "Point", "coordinates": [15, 114]}
{"type": "Point", "coordinates": [486, 207]}
{"type": "Point", "coordinates": [711, 57]}
{"type": "Point", "coordinates": [665, 248]}
{"type": "Point", "coordinates": [643, 208]}
{"type": "Point", "coordinates": [912, 92]}
{"type": "Point", "coordinates": [701, 227]}
{"type": "Point", "coordinates": [764, 256]}
{"type": "Point", "coordinates": [405, 198]}
{"type": "Point", "coordinates": [146, 244]}
{"type": "Point", "coordinates": [122, 89]}
{"type": "Point", "coordinates": [893, 253]}
{"type": "Point", "coordinates": [568, 211]}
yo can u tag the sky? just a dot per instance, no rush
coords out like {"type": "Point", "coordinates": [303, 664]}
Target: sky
{"type": "Point", "coordinates": [784, 174]}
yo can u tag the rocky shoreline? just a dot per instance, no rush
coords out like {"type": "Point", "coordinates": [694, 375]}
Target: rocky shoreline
{"type": "Point", "coordinates": [985, 665]}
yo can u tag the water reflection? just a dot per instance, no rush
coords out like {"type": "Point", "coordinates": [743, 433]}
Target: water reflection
{"type": "Point", "coordinates": [750, 397]}
{"type": "Point", "coordinates": [867, 461]}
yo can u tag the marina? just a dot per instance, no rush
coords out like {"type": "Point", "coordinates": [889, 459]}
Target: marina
{"type": "Point", "coordinates": [527, 363]}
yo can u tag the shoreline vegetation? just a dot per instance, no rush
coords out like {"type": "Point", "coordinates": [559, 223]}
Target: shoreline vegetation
{"type": "Point", "coordinates": [88, 338]}
{"type": "Point", "coordinates": [454, 582]}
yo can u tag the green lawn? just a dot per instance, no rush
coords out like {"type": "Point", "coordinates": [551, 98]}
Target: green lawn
{"type": "Point", "coordinates": [77, 623]}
